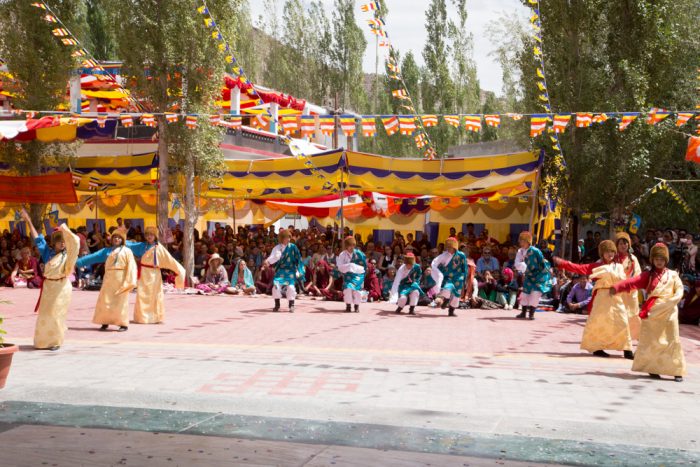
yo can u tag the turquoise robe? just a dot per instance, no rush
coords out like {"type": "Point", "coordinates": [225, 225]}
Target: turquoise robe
{"type": "Point", "coordinates": [288, 267]}
{"type": "Point", "coordinates": [455, 274]}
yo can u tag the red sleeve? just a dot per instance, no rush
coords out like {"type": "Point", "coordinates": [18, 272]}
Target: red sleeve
{"type": "Point", "coordinates": [639, 282]}
{"type": "Point", "coordinates": [584, 269]}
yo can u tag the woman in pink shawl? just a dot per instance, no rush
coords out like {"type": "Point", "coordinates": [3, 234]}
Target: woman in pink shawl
{"type": "Point", "coordinates": [372, 285]}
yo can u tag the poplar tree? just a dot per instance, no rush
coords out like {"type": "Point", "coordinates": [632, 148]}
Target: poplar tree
{"type": "Point", "coordinates": [40, 67]}
{"type": "Point", "coordinates": [171, 62]}
{"type": "Point", "coordinates": [346, 52]}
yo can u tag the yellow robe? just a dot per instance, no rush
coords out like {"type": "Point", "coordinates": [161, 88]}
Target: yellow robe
{"type": "Point", "coordinates": [149, 307]}
{"type": "Point", "coordinates": [120, 278]}
{"type": "Point", "coordinates": [56, 294]}
{"type": "Point", "coordinates": [607, 326]}
{"type": "Point", "coordinates": [659, 351]}
{"type": "Point", "coordinates": [631, 299]}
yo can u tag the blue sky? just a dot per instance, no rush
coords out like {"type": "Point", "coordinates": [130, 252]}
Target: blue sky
{"type": "Point", "coordinates": [406, 28]}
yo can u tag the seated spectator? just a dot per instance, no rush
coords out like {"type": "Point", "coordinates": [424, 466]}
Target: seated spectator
{"type": "Point", "coordinates": [487, 286]}
{"type": "Point", "coordinates": [216, 278]}
{"type": "Point", "coordinates": [580, 296]}
{"type": "Point", "coordinates": [5, 269]}
{"type": "Point", "coordinates": [372, 285]}
{"type": "Point", "coordinates": [26, 272]}
{"type": "Point", "coordinates": [507, 289]}
{"type": "Point", "coordinates": [242, 279]}
{"type": "Point", "coordinates": [486, 263]}
{"type": "Point", "coordinates": [318, 279]}
{"type": "Point", "coordinates": [689, 312]}
{"type": "Point", "coordinates": [388, 282]}
{"type": "Point", "coordinates": [266, 275]}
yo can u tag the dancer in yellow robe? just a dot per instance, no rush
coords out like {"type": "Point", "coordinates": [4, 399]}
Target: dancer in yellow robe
{"type": "Point", "coordinates": [120, 278]}
{"type": "Point", "coordinates": [659, 351]}
{"type": "Point", "coordinates": [630, 264]}
{"type": "Point", "coordinates": [149, 307]}
{"type": "Point", "coordinates": [607, 326]}
{"type": "Point", "coordinates": [56, 290]}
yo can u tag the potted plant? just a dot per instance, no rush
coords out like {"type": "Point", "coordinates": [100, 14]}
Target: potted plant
{"type": "Point", "coordinates": [6, 353]}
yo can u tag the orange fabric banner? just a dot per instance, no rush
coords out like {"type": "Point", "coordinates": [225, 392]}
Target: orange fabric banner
{"type": "Point", "coordinates": [55, 188]}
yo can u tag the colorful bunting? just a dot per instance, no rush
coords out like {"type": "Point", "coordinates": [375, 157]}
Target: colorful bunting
{"type": "Point", "coordinates": [421, 140]}
{"type": "Point", "coordinates": [584, 119]}
{"type": "Point", "coordinates": [127, 121]}
{"type": "Point", "coordinates": [326, 125]}
{"type": "Point", "coordinates": [429, 120]}
{"type": "Point", "coordinates": [290, 124]}
{"type": "Point", "coordinates": [538, 123]}
{"type": "Point", "coordinates": [627, 119]}
{"type": "Point", "coordinates": [348, 125]}
{"type": "Point", "coordinates": [308, 125]}
{"type": "Point", "coordinates": [693, 152]}
{"type": "Point", "coordinates": [215, 120]}
{"type": "Point", "coordinates": [369, 127]}
{"type": "Point", "coordinates": [407, 125]}
{"type": "Point", "coordinates": [560, 123]}
{"type": "Point", "coordinates": [400, 94]}
{"type": "Point", "coordinates": [453, 120]}
{"type": "Point", "coordinates": [600, 118]}
{"type": "Point", "coordinates": [656, 115]}
{"type": "Point", "coordinates": [148, 120]}
{"type": "Point", "coordinates": [371, 6]}
{"type": "Point", "coordinates": [191, 122]}
{"type": "Point", "coordinates": [171, 118]}
{"type": "Point", "coordinates": [472, 123]}
{"type": "Point", "coordinates": [683, 118]}
{"type": "Point", "coordinates": [391, 124]}
{"type": "Point", "coordinates": [493, 120]}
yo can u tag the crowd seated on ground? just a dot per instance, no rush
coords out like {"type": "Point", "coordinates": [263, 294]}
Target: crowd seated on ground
{"type": "Point", "coordinates": [229, 261]}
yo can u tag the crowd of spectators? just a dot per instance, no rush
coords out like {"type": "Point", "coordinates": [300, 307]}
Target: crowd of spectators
{"type": "Point", "coordinates": [225, 252]}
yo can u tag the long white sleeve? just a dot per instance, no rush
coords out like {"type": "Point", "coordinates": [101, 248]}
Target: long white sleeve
{"type": "Point", "coordinates": [520, 257]}
{"type": "Point", "coordinates": [435, 272]}
{"type": "Point", "coordinates": [400, 275]}
{"type": "Point", "coordinates": [345, 264]}
{"type": "Point", "coordinates": [276, 254]}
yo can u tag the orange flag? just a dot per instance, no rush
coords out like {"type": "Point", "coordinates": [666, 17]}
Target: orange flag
{"type": "Point", "coordinates": [693, 153]}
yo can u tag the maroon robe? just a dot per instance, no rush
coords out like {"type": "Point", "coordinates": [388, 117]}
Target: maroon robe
{"type": "Point", "coordinates": [372, 285]}
{"type": "Point", "coordinates": [264, 285]}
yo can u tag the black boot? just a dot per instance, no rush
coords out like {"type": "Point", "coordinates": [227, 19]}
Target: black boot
{"type": "Point", "coordinates": [678, 379]}
{"type": "Point", "coordinates": [122, 329]}
{"type": "Point", "coordinates": [629, 355]}
{"type": "Point", "coordinates": [104, 327]}
{"type": "Point", "coordinates": [654, 376]}
{"type": "Point", "coordinates": [531, 313]}
{"type": "Point", "coordinates": [291, 306]}
{"type": "Point", "coordinates": [601, 353]}
{"type": "Point", "coordinates": [277, 305]}
{"type": "Point", "coordinates": [348, 308]}
{"type": "Point", "coordinates": [451, 312]}
{"type": "Point", "coordinates": [357, 308]}
{"type": "Point", "coordinates": [523, 313]}
{"type": "Point", "coordinates": [398, 310]}
{"type": "Point", "coordinates": [412, 310]}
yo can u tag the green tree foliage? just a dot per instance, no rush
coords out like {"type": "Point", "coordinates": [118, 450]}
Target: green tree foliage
{"type": "Point", "coordinates": [346, 52]}
{"type": "Point", "coordinates": [41, 67]}
{"type": "Point", "coordinates": [171, 61]}
{"type": "Point", "coordinates": [616, 56]}
{"type": "Point", "coordinates": [100, 36]}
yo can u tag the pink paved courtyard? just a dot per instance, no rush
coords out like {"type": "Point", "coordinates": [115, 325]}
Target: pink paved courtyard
{"type": "Point", "coordinates": [248, 321]}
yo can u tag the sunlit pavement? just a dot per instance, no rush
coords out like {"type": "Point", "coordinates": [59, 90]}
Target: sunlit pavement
{"type": "Point", "coordinates": [227, 382]}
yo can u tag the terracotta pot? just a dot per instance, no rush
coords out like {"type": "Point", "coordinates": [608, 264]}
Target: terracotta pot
{"type": "Point", "coordinates": [6, 352]}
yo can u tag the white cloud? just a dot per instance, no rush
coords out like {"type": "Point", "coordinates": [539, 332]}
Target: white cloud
{"type": "Point", "coordinates": [406, 28]}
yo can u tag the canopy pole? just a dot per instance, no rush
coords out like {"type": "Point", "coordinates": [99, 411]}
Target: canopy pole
{"type": "Point", "coordinates": [534, 201]}
{"type": "Point", "coordinates": [342, 203]}
{"type": "Point", "coordinates": [233, 210]}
